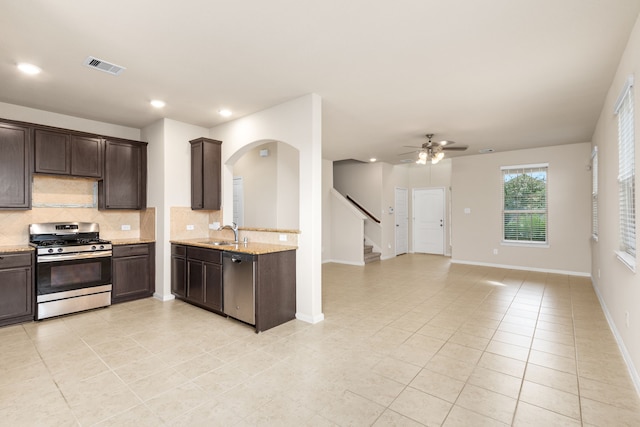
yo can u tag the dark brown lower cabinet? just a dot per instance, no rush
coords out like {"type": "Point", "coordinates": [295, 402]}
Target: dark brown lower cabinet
{"type": "Point", "coordinates": [179, 271]}
{"type": "Point", "coordinates": [16, 287]}
{"type": "Point", "coordinates": [204, 278]}
{"type": "Point", "coordinates": [196, 277]}
{"type": "Point", "coordinates": [133, 272]}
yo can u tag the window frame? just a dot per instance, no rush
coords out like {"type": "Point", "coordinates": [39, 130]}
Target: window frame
{"type": "Point", "coordinates": [545, 211]}
{"type": "Point", "coordinates": [627, 238]}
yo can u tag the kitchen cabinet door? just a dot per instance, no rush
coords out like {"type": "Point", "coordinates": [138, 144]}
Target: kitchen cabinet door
{"type": "Point", "coordinates": [212, 286]}
{"type": "Point", "coordinates": [205, 174]}
{"type": "Point", "coordinates": [178, 271]}
{"type": "Point", "coordinates": [132, 272]}
{"type": "Point", "coordinates": [124, 185]}
{"type": "Point", "coordinates": [195, 281]}
{"type": "Point", "coordinates": [52, 152]}
{"type": "Point", "coordinates": [15, 166]}
{"type": "Point", "coordinates": [16, 288]}
{"type": "Point", "coordinates": [86, 156]}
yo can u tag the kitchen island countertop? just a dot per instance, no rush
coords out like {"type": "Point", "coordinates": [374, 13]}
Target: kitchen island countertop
{"type": "Point", "coordinates": [253, 248]}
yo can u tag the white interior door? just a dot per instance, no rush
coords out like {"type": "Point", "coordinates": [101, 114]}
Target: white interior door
{"type": "Point", "coordinates": [428, 221]}
{"type": "Point", "coordinates": [402, 221]}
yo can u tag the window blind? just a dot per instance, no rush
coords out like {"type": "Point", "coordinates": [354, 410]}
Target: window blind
{"type": "Point", "coordinates": [524, 214]}
{"type": "Point", "coordinates": [594, 193]}
{"type": "Point", "coordinates": [626, 172]}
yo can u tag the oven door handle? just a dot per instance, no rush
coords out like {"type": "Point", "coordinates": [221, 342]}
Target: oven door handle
{"type": "Point", "coordinates": [66, 257]}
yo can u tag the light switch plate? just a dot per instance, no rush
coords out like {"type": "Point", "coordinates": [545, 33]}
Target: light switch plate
{"type": "Point", "coordinates": [283, 237]}
{"type": "Point", "coordinates": [214, 226]}
{"type": "Point", "coordinates": [190, 227]}
{"type": "Point", "coordinates": [125, 227]}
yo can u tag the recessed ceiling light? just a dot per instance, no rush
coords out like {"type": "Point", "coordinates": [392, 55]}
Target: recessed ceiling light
{"type": "Point", "coordinates": [29, 68]}
{"type": "Point", "coordinates": [486, 150]}
{"type": "Point", "coordinates": [225, 113]}
{"type": "Point", "coordinates": [373, 159]}
{"type": "Point", "coordinates": [157, 103]}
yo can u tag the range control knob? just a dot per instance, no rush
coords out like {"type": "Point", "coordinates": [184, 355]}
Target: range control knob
{"type": "Point", "coordinates": [101, 246]}
{"type": "Point", "coordinates": [50, 251]}
{"type": "Point", "coordinates": [93, 248]}
{"type": "Point", "coordinates": [60, 249]}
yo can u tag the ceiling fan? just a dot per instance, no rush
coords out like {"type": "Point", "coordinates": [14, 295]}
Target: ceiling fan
{"type": "Point", "coordinates": [433, 151]}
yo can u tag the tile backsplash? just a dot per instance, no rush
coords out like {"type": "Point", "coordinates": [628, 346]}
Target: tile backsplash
{"type": "Point", "coordinates": [64, 199]}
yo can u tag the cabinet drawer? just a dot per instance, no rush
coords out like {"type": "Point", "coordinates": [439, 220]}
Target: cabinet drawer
{"type": "Point", "coordinates": [209, 255]}
{"type": "Point", "coordinates": [15, 260]}
{"type": "Point", "coordinates": [130, 250]}
{"type": "Point", "coordinates": [178, 250]}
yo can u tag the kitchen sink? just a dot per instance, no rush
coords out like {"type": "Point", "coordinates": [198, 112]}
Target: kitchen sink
{"type": "Point", "coordinates": [221, 243]}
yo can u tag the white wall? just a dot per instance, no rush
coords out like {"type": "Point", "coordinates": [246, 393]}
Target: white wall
{"type": "Point", "coordinates": [31, 115]}
{"type": "Point", "coordinates": [169, 177]}
{"type": "Point", "coordinates": [298, 123]}
{"type": "Point", "coordinates": [617, 286]}
{"type": "Point", "coordinates": [476, 184]}
{"type": "Point", "coordinates": [288, 171]}
{"type": "Point", "coordinates": [327, 186]}
{"type": "Point", "coordinates": [260, 184]}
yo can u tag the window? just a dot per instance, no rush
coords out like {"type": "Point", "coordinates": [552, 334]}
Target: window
{"type": "Point", "coordinates": [626, 176]}
{"type": "Point", "coordinates": [594, 193]}
{"type": "Point", "coordinates": [524, 213]}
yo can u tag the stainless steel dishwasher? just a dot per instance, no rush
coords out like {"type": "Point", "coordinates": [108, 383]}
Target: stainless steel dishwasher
{"type": "Point", "coordinates": [238, 286]}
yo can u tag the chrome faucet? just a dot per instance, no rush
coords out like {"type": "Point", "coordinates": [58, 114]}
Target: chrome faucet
{"type": "Point", "coordinates": [233, 227]}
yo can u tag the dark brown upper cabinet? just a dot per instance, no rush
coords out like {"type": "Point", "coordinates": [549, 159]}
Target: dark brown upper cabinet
{"type": "Point", "coordinates": [61, 153]}
{"type": "Point", "coordinates": [124, 185]}
{"type": "Point", "coordinates": [206, 166]}
{"type": "Point", "coordinates": [15, 166]}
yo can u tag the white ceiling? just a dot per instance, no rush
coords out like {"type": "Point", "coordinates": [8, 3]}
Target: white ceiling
{"type": "Point", "coordinates": [504, 74]}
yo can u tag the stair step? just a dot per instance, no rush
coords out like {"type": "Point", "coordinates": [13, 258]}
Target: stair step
{"type": "Point", "coordinates": [371, 257]}
{"type": "Point", "coordinates": [368, 249]}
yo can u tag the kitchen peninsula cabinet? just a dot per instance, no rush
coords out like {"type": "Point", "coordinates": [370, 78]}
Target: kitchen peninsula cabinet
{"type": "Point", "coordinates": [197, 273]}
{"type": "Point", "coordinates": [206, 166]}
{"type": "Point", "coordinates": [124, 185]}
{"type": "Point", "coordinates": [63, 153]}
{"type": "Point", "coordinates": [196, 276]}
{"type": "Point", "coordinates": [16, 287]}
{"type": "Point", "coordinates": [132, 271]}
{"type": "Point", "coordinates": [15, 166]}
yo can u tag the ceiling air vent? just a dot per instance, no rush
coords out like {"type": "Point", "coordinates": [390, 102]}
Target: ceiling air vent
{"type": "Point", "coordinates": [105, 66]}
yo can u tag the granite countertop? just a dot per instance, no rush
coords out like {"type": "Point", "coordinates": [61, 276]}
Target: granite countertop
{"type": "Point", "coordinates": [252, 248]}
{"type": "Point", "coordinates": [132, 241]}
{"type": "Point", "coordinates": [16, 248]}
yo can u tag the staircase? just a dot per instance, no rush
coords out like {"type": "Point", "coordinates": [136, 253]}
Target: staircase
{"type": "Point", "coordinates": [369, 255]}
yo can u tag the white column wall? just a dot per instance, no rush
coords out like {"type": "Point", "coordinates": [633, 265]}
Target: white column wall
{"type": "Point", "coordinates": [297, 123]}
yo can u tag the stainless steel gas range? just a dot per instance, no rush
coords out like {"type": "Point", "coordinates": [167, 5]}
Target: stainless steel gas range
{"type": "Point", "coordinates": [73, 267]}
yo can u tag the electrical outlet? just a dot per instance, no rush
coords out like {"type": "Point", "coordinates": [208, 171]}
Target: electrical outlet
{"type": "Point", "coordinates": [214, 226]}
{"type": "Point", "coordinates": [626, 318]}
{"type": "Point", "coordinates": [283, 237]}
{"type": "Point", "coordinates": [125, 227]}
{"type": "Point", "coordinates": [190, 227]}
{"type": "Point", "coordinates": [598, 273]}
{"type": "Point", "coordinates": [495, 252]}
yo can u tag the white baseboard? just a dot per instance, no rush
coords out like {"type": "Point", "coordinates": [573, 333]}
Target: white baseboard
{"type": "Point", "coordinates": [518, 267]}
{"type": "Point", "coordinates": [164, 298]}
{"type": "Point", "coordinates": [635, 378]}
{"type": "Point", "coordinates": [338, 261]}
{"type": "Point", "coordinates": [310, 319]}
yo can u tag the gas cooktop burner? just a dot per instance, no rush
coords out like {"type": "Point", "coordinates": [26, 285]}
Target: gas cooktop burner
{"type": "Point", "coordinates": [76, 242]}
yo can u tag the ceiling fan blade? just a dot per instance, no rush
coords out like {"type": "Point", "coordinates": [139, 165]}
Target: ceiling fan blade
{"type": "Point", "coordinates": [460, 148]}
{"type": "Point", "coordinates": [410, 152]}
{"type": "Point", "coordinates": [411, 146]}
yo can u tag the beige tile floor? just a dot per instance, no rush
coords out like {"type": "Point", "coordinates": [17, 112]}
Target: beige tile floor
{"type": "Point", "coordinates": [406, 342]}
